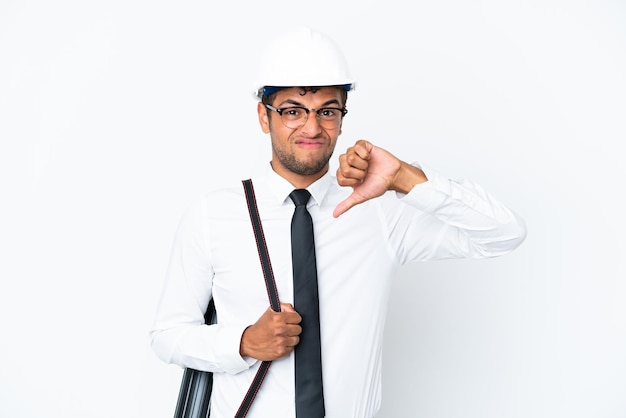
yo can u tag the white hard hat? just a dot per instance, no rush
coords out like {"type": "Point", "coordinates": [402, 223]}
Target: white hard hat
{"type": "Point", "coordinates": [301, 58]}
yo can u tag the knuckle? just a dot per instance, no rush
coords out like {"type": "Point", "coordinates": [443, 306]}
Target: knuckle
{"type": "Point", "coordinates": [282, 350]}
{"type": "Point", "coordinates": [279, 331]}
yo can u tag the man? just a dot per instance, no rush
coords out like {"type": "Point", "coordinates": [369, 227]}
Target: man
{"type": "Point", "coordinates": [379, 213]}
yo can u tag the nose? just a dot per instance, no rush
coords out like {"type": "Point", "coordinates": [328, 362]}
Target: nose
{"type": "Point", "coordinates": [311, 126]}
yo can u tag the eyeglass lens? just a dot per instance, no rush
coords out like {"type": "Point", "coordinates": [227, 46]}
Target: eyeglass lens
{"type": "Point", "coordinates": [295, 117]}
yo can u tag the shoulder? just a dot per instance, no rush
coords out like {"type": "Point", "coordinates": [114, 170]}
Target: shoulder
{"type": "Point", "coordinates": [229, 198]}
{"type": "Point", "coordinates": [220, 199]}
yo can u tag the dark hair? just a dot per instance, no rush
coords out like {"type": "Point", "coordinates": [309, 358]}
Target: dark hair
{"type": "Point", "coordinates": [304, 90]}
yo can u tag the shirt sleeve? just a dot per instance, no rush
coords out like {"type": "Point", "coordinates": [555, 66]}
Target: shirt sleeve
{"type": "Point", "coordinates": [445, 218]}
{"type": "Point", "coordinates": [179, 335]}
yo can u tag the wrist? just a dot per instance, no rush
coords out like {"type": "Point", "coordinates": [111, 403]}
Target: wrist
{"type": "Point", "coordinates": [407, 177]}
{"type": "Point", "coordinates": [243, 348]}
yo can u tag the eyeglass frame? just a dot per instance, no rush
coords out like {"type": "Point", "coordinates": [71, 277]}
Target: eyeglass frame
{"type": "Point", "coordinates": [280, 111]}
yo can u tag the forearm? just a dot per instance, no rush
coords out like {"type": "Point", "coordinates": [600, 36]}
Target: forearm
{"type": "Point", "coordinates": [462, 219]}
{"type": "Point", "coordinates": [213, 348]}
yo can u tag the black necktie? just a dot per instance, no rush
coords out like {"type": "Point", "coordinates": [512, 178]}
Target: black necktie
{"type": "Point", "coordinates": [309, 393]}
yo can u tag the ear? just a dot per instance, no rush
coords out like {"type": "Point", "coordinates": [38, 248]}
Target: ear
{"type": "Point", "coordinates": [263, 119]}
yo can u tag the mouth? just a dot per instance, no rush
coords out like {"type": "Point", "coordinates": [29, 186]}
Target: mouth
{"type": "Point", "coordinates": [310, 143]}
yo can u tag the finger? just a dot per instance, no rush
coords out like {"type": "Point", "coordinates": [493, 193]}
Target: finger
{"type": "Point", "coordinates": [355, 159]}
{"type": "Point", "coordinates": [345, 182]}
{"type": "Point", "coordinates": [363, 149]}
{"type": "Point", "coordinates": [292, 341]}
{"type": "Point", "coordinates": [350, 175]}
{"type": "Point", "coordinates": [287, 307]}
{"type": "Point", "coordinates": [292, 317]}
{"type": "Point", "coordinates": [294, 330]}
{"type": "Point", "coordinates": [347, 204]}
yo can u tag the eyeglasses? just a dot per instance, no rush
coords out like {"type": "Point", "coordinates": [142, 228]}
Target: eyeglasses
{"type": "Point", "coordinates": [294, 117]}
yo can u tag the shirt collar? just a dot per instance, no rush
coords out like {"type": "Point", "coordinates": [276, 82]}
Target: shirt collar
{"type": "Point", "coordinates": [281, 188]}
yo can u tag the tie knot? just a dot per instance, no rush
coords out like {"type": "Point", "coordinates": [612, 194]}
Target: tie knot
{"type": "Point", "coordinates": [300, 196]}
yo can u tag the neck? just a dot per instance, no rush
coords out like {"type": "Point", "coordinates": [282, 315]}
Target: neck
{"type": "Point", "coordinates": [299, 181]}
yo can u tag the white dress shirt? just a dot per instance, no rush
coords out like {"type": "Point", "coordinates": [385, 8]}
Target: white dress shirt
{"type": "Point", "coordinates": [215, 254]}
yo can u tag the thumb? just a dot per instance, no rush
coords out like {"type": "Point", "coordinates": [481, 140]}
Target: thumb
{"type": "Point", "coordinates": [351, 201]}
{"type": "Point", "coordinates": [287, 307]}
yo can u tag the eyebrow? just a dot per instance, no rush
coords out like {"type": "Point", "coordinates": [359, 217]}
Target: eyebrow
{"type": "Point", "coordinates": [298, 104]}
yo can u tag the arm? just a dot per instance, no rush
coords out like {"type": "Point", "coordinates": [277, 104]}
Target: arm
{"type": "Point", "coordinates": [453, 218]}
{"type": "Point", "coordinates": [179, 335]}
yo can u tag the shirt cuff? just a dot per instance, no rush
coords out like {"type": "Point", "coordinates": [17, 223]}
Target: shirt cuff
{"type": "Point", "coordinates": [228, 344]}
{"type": "Point", "coordinates": [429, 195]}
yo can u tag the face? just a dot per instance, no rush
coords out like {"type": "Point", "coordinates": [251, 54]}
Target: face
{"type": "Point", "coordinates": [301, 155]}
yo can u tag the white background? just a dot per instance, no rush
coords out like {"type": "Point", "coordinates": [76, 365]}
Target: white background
{"type": "Point", "coordinates": [116, 115]}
